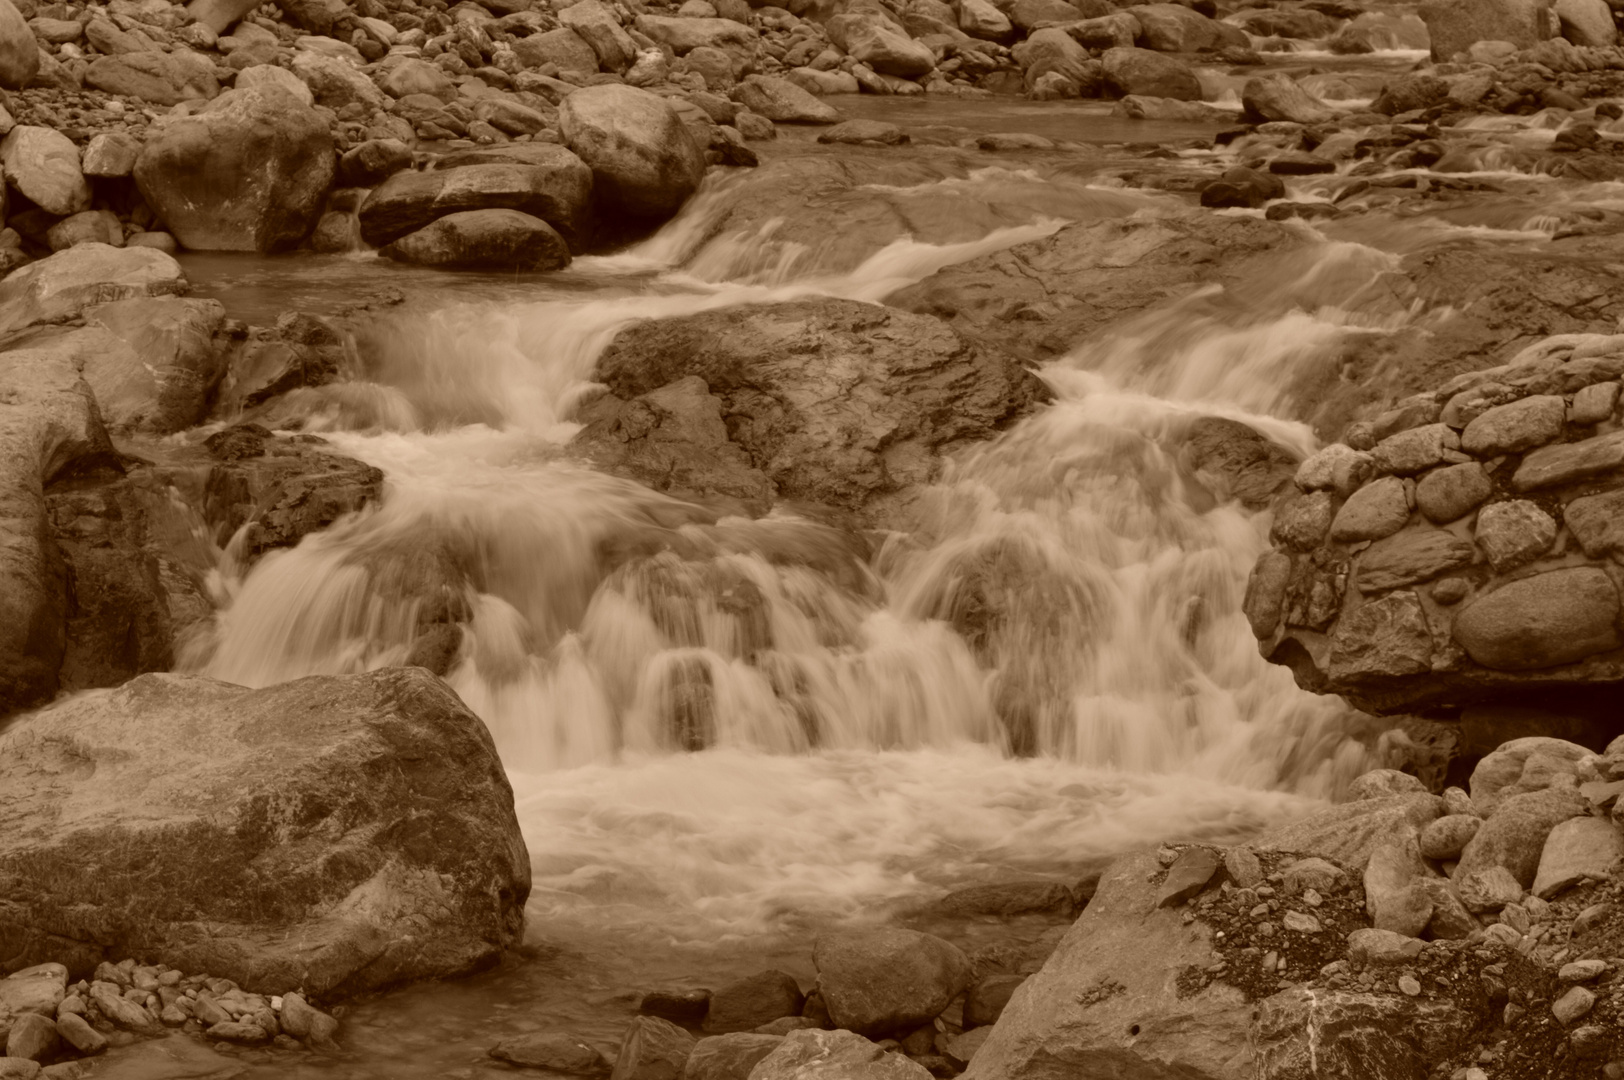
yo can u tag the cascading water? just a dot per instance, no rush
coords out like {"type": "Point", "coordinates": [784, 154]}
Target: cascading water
{"type": "Point", "coordinates": [723, 730]}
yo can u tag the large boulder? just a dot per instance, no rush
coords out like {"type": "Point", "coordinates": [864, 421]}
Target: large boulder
{"type": "Point", "coordinates": [43, 164]}
{"type": "Point", "coordinates": [685, 35]}
{"type": "Point", "coordinates": [19, 53]}
{"type": "Point", "coordinates": [1176, 28]}
{"type": "Point", "coordinates": [1110, 1001]}
{"type": "Point", "coordinates": [1053, 50]}
{"type": "Point", "coordinates": [63, 286]}
{"type": "Point", "coordinates": [553, 185]}
{"type": "Point", "coordinates": [837, 401]}
{"type": "Point", "coordinates": [1147, 73]}
{"type": "Point", "coordinates": [247, 172]}
{"type": "Point", "coordinates": [782, 101]}
{"type": "Point", "coordinates": [1587, 22]}
{"type": "Point", "coordinates": [645, 163]}
{"type": "Point", "coordinates": [49, 425]}
{"type": "Point", "coordinates": [599, 28]}
{"type": "Point", "coordinates": [335, 83]}
{"type": "Point", "coordinates": [484, 240]}
{"type": "Point", "coordinates": [1454, 26]}
{"type": "Point", "coordinates": [335, 834]}
{"type": "Point", "coordinates": [1277, 96]}
{"type": "Point", "coordinates": [872, 39]}
{"type": "Point", "coordinates": [163, 78]}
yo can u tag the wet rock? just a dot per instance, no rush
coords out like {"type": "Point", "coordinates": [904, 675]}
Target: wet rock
{"type": "Point", "coordinates": [782, 101]}
{"type": "Point", "coordinates": [1151, 74]}
{"type": "Point", "coordinates": [803, 432]}
{"type": "Point", "coordinates": [864, 131]}
{"type": "Point", "coordinates": [302, 1021]}
{"type": "Point", "coordinates": [181, 762]}
{"type": "Point", "coordinates": [644, 162]}
{"type": "Point", "coordinates": [281, 489]}
{"type": "Point", "coordinates": [880, 981]}
{"type": "Point", "coordinates": [1110, 975]}
{"type": "Point", "coordinates": [1006, 900]}
{"type": "Point", "coordinates": [64, 285]}
{"type": "Point", "coordinates": [1301, 524]}
{"type": "Point", "coordinates": [153, 362]}
{"type": "Point", "coordinates": [247, 172]}
{"type": "Point", "coordinates": [1234, 461]}
{"type": "Point", "coordinates": [687, 1007]}
{"type": "Point", "coordinates": [729, 1057]}
{"type": "Point", "coordinates": [121, 1012]}
{"type": "Point", "coordinates": [483, 240]}
{"type": "Point", "coordinates": [1408, 93]}
{"type": "Point", "coordinates": [1541, 621]}
{"type": "Point", "coordinates": [1448, 836]}
{"type": "Point", "coordinates": [551, 184]}
{"type": "Point", "coordinates": [653, 1049]}
{"type": "Point", "coordinates": [1514, 836]}
{"type": "Point", "coordinates": [1265, 597]}
{"type": "Point", "coordinates": [1411, 556]}
{"type": "Point", "coordinates": [558, 1052]}
{"type": "Point", "coordinates": [1277, 96]}
{"type": "Point", "coordinates": [834, 1055]}
{"type": "Point", "coordinates": [1384, 783]}
{"type": "Point", "coordinates": [1382, 638]}
{"type": "Point", "coordinates": [747, 1004]}
{"type": "Point", "coordinates": [43, 164]}
{"type": "Point", "coordinates": [1446, 494]}
{"type": "Point", "coordinates": [1577, 850]}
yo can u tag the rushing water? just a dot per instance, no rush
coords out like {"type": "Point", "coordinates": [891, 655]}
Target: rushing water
{"type": "Point", "coordinates": [726, 734]}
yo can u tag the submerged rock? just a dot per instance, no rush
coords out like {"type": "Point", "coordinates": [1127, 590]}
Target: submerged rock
{"type": "Point", "coordinates": [338, 834]}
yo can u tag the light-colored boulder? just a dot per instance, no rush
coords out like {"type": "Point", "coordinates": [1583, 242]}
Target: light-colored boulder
{"type": "Point", "coordinates": [1587, 22]}
{"type": "Point", "coordinates": [483, 240]}
{"type": "Point", "coordinates": [1454, 26]}
{"type": "Point", "coordinates": [1579, 849]}
{"type": "Point", "coordinates": [335, 83]}
{"type": "Point", "coordinates": [1548, 619]}
{"type": "Point", "coordinates": [1349, 832]}
{"type": "Point", "coordinates": [247, 172]}
{"type": "Point", "coordinates": [599, 28]}
{"type": "Point", "coordinates": [43, 164]}
{"type": "Point", "coordinates": [644, 162]}
{"type": "Point", "coordinates": [1277, 96]}
{"type": "Point", "coordinates": [332, 833]}
{"type": "Point", "coordinates": [1151, 74]}
{"type": "Point", "coordinates": [19, 53]}
{"type": "Point", "coordinates": [551, 183]}
{"type": "Point", "coordinates": [68, 282]}
{"type": "Point", "coordinates": [877, 42]}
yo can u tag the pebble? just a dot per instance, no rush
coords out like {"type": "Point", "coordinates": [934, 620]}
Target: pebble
{"type": "Point", "coordinates": [1408, 985]}
{"type": "Point", "coordinates": [1572, 1005]}
{"type": "Point", "coordinates": [1579, 971]}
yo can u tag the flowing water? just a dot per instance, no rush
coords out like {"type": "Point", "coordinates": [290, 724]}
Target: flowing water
{"type": "Point", "coordinates": [724, 734]}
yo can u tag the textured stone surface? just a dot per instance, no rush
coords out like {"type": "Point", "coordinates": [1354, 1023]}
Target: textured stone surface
{"type": "Point", "coordinates": [1552, 618]}
{"type": "Point", "coordinates": [1301, 524]}
{"type": "Point", "coordinates": [1564, 463]}
{"type": "Point", "coordinates": [336, 833]}
{"type": "Point", "coordinates": [552, 184]}
{"type": "Point", "coordinates": [1266, 593]}
{"type": "Point", "coordinates": [834, 1055]}
{"type": "Point", "coordinates": [1316, 1032]}
{"type": "Point", "coordinates": [1410, 556]}
{"type": "Point", "coordinates": [1513, 837]}
{"type": "Point", "coordinates": [1517, 766]}
{"type": "Point", "coordinates": [1449, 835]}
{"type": "Point", "coordinates": [1582, 848]}
{"type": "Point", "coordinates": [1597, 522]}
{"type": "Point", "coordinates": [1277, 96]}
{"type": "Point", "coordinates": [558, 1051]}
{"type": "Point", "coordinates": [64, 285]}
{"type": "Point", "coordinates": [653, 1049]}
{"type": "Point", "coordinates": [1381, 638]}
{"type": "Point", "coordinates": [1593, 403]}
{"type": "Point", "coordinates": [1516, 426]}
{"type": "Point", "coordinates": [43, 164]}
{"type": "Point", "coordinates": [1489, 889]}
{"type": "Point", "coordinates": [1349, 832]}
{"type": "Point", "coordinates": [1376, 510]}
{"type": "Point", "coordinates": [1412, 451]}
{"type": "Point", "coordinates": [484, 240]}
{"type": "Point", "coordinates": [728, 1057]}
{"type": "Point", "coordinates": [1188, 875]}
{"type": "Point", "coordinates": [881, 981]}
{"type": "Point", "coordinates": [1454, 491]}
{"type": "Point", "coordinates": [1140, 71]}
{"type": "Point", "coordinates": [644, 161]}
{"type": "Point", "coordinates": [751, 1002]}
{"type": "Point", "coordinates": [1514, 532]}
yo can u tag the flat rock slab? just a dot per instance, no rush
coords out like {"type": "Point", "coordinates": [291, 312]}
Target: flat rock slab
{"type": "Point", "coordinates": [1583, 848]}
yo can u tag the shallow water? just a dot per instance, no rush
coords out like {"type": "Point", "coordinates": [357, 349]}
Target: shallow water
{"type": "Point", "coordinates": [866, 747]}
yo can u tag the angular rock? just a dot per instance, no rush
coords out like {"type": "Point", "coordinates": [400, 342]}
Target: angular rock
{"type": "Point", "coordinates": [413, 76]}
{"type": "Point", "coordinates": [43, 164]}
{"type": "Point", "coordinates": [1444, 495]}
{"type": "Point", "coordinates": [1140, 71]}
{"type": "Point", "coordinates": [1450, 919]}
{"type": "Point", "coordinates": [1597, 522]}
{"type": "Point", "coordinates": [1415, 449]}
{"type": "Point", "coordinates": [1381, 638]}
{"type": "Point", "coordinates": [1382, 948]}
{"type": "Point", "coordinates": [834, 1055]}
{"type": "Point", "coordinates": [877, 42]}
{"type": "Point", "coordinates": [1514, 836]}
{"type": "Point", "coordinates": [653, 1049]}
{"type": "Point", "coordinates": [483, 240]}
{"type": "Point", "coordinates": [782, 101]}
{"type": "Point", "coordinates": [247, 172]}
{"type": "Point", "coordinates": [335, 83]}
{"type": "Point", "coordinates": [1409, 556]}
{"type": "Point", "coordinates": [1053, 51]}
{"type": "Point", "coordinates": [1384, 783]}
{"type": "Point", "coordinates": [1006, 900]}
{"type": "Point", "coordinates": [1489, 889]}
{"type": "Point", "coordinates": [985, 1002]}
{"type": "Point", "coordinates": [276, 491]}
{"type": "Point", "coordinates": [111, 154]}
{"type": "Point", "coordinates": [644, 162]}
{"type": "Point", "coordinates": [64, 285]}
{"type": "Point", "coordinates": [1336, 467]}
{"type": "Point", "coordinates": [1188, 875]}
{"type": "Point", "coordinates": [1391, 897]}
{"type": "Point", "coordinates": [684, 35]}
{"type": "Point", "coordinates": [1577, 850]}
{"type": "Point", "coordinates": [1454, 26]}
{"type": "Point", "coordinates": [729, 1057]}
{"type": "Point", "coordinates": [599, 28]}
{"type": "Point", "coordinates": [373, 162]}
{"type": "Point", "coordinates": [379, 788]}
{"type": "Point", "coordinates": [1518, 766]}
{"type": "Point", "coordinates": [1514, 532]}
{"type": "Point", "coordinates": [1234, 461]}
{"type": "Point", "coordinates": [1551, 618]}
{"type": "Point", "coordinates": [153, 362]}
{"type": "Point", "coordinates": [1109, 976]}
{"type": "Point", "coordinates": [1307, 1031]}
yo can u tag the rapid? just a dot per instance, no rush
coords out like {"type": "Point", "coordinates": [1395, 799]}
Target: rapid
{"type": "Point", "coordinates": [724, 734]}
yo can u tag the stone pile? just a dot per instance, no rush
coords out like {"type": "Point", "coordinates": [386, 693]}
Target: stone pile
{"type": "Point", "coordinates": [48, 1027]}
{"type": "Point", "coordinates": [1401, 933]}
{"type": "Point", "coordinates": [1461, 544]}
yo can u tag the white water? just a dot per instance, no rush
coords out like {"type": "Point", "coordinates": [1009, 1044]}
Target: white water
{"type": "Point", "coordinates": [861, 750]}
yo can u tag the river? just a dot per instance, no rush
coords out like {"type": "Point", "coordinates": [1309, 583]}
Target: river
{"type": "Point", "coordinates": [854, 765]}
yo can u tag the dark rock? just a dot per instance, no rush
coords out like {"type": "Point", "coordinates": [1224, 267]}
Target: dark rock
{"type": "Point", "coordinates": [653, 1049]}
{"type": "Point", "coordinates": [881, 981]}
{"type": "Point", "coordinates": [1007, 899]}
{"type": "Point", "coordinates": [985, 1001]}
{"type": "Point", "coordinates": [1234, 461]}
{"type": "Point", "coordinates": [747, 1004]}
{"type": "Point", "coordinates": [292, 488]}
{"type": "Point", "coordinates": [373, 162]}
{"type": "Point", "coordinates": [557, 191]}
{"type": "Point", "coordinates": [484, 240]}
{"type": "Point", "coordinates": [679, 1006]}
{"type": "Point", "coordinates": [1188, 875]}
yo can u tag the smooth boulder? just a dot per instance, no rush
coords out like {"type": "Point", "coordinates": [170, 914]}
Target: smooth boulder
{"type": "Point", "coordinates": [339, 834]}
{"type": "Point", "coordinates": [645, 163]}
{"type": "Point", "coordinates": [43, 164]}
{"type": "Point", "coordinates": [484, 240]}
{"type": "Point", "coordinates": [875, 982]}
{"type": "Point", "coordinates": [247, 172]}
{"type": "Point", "coordinates": [1150, 74]}
{"type": "Point", "coordinates": [552, 184]}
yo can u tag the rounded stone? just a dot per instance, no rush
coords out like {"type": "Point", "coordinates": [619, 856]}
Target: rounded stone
{"type": "Point", "coordinates": [1376, 510]}
{"type": "Point", "coordinates": [1516, 426]}
{"type": "Point", "coordinates": [878, 981]}
{"type": "Point", "coordinates": [1448, 836]}
{"type": "Point", "coordinates": [1541, 621]}
{"type": "Point", "coordinates": [1513, 533]}
{"type": "Point", "coordinates": [644, 162]}
{"type": "Point", "coordinates": [1452, 492]}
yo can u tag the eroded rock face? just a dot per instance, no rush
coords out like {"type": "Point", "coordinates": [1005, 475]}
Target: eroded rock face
{"type": "Point", "coordinates": [1490, 567]}
{"type": "Point", "coordinates": [833, 400]}
{"type": "Point", "coordinates": [333, 833]}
